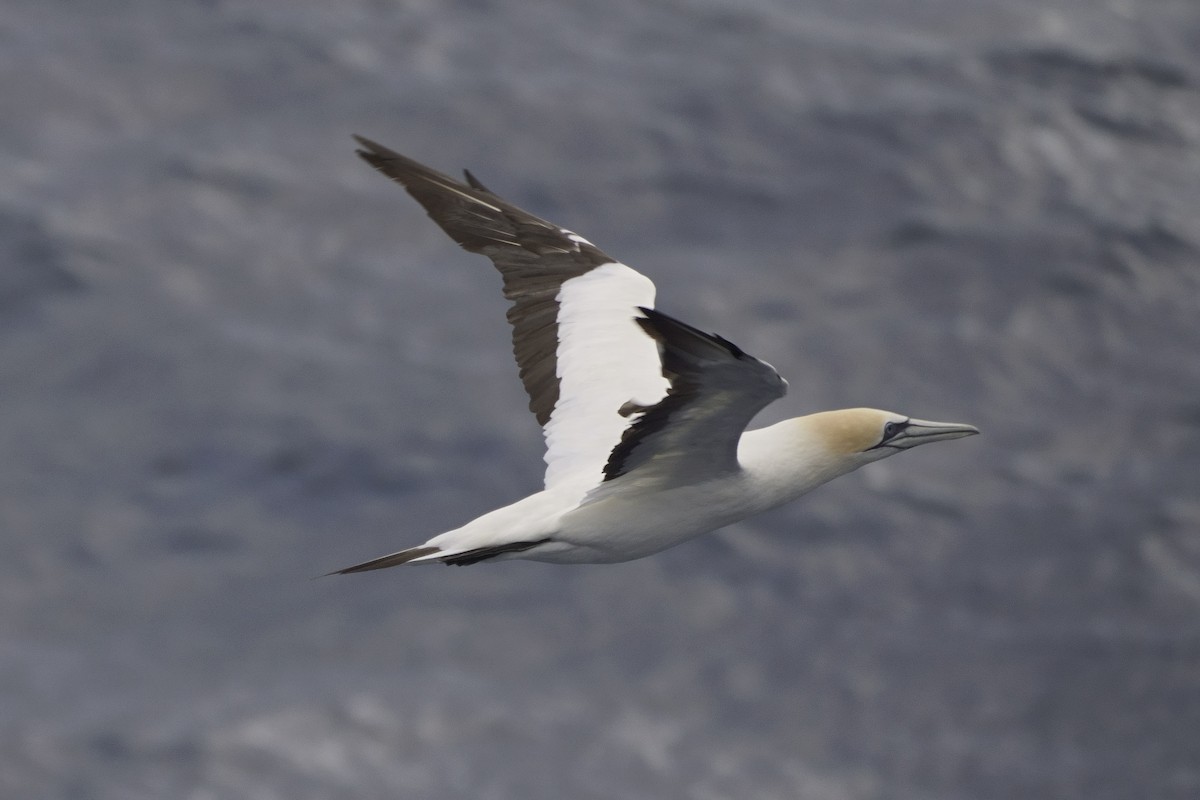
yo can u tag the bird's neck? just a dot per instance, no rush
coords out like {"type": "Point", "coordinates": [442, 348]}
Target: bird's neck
{"type": "Point", "coordinates": [788, 459]}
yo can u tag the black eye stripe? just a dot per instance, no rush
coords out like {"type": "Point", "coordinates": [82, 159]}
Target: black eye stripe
{"type": "Point", "coordinates": [890, 431]}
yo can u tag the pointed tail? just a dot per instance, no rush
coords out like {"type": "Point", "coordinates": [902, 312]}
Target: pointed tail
{"type": "Point", "coordinates": [429, 554]}
{"type": "Point", "coordinates": [393, 560]}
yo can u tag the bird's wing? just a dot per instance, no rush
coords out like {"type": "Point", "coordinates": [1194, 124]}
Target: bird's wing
{"type": "Point", "coordinates": [583, 361]}
{"type": "Point", "coordinates": [692, 434]}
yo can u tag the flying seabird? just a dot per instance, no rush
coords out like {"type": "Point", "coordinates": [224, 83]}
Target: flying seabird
{"type": "Point", "coordinates": [644, 416]}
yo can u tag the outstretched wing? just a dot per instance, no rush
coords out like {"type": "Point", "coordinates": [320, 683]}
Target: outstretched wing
{"type": "Point", "coordinates": [692, 434]}
{"type": "Point", "coordinates": [581, 357]}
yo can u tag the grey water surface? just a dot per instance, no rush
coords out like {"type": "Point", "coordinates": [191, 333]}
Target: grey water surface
{"type": "Point", "coordinates": [232, 358]}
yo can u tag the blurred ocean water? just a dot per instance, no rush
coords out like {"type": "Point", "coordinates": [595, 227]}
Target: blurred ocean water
{"type": "Point", "coordinates": [232, 358]}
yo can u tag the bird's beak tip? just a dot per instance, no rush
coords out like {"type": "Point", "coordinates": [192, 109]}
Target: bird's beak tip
{"type": "Point", "coordinates": [961, 430]}
{"type": "Point", "coordinates": [927, 431]}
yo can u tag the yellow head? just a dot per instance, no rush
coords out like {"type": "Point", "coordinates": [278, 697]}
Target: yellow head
{"type": "Point", "coordinates": [869, 434]}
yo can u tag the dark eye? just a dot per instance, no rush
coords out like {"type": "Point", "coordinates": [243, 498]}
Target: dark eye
{"type": "Point", "coordinates": [891, 429]}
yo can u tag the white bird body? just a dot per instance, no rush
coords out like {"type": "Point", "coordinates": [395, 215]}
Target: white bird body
{"type": "Point", "coordinates": [638, 518]}
{"type": "Point", "coordinates": [644, 416]}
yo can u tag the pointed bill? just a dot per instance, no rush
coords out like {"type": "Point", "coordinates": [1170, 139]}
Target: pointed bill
{"type": "Point", "coordinates": [922, 431]}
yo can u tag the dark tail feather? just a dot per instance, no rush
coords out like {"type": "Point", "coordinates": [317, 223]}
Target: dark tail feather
{"type": "Point", "coordinates": [459, 559]}
{"type": "Point", "coordinates": [484, 553]}
{"type": "Point", "coordinates": [395, 559]}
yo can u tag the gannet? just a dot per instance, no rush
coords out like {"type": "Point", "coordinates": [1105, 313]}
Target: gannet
{"type": "Point", "coordinates": [644, 416]}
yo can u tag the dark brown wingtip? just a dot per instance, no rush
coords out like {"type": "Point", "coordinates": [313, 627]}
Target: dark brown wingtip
{"type": "Point", "coordinates": [373, 146]}
{"type": "Point", "coordinates": [407, 172]}
{"type": "Point", "coordinates": [372, 152]}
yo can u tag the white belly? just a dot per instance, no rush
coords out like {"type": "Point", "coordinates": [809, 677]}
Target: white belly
{"type": "Point", "coordinates": [631, 524]}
